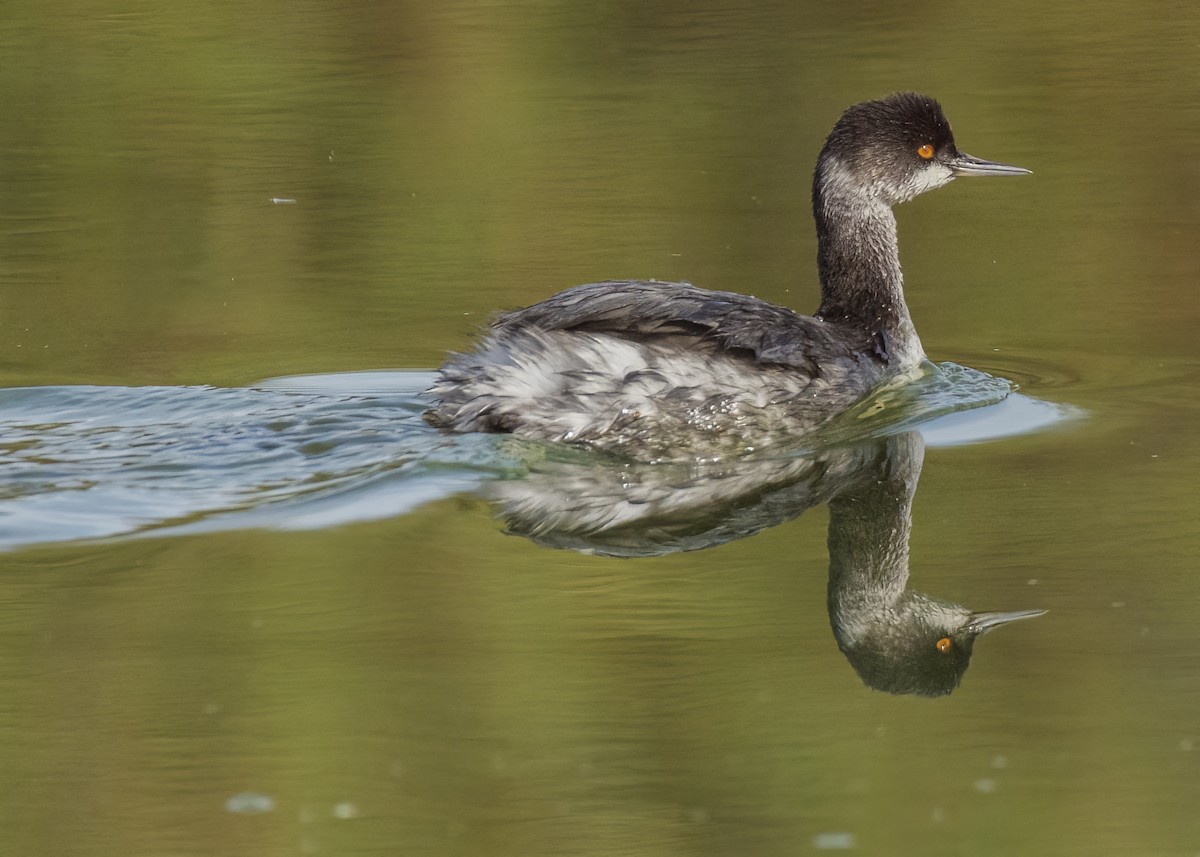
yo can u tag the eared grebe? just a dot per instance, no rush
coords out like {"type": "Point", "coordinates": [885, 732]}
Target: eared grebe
{"type": "Point", "coordinates": [663, 370]}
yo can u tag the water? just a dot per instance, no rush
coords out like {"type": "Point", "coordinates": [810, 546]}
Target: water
{"type": "Point", "coordinates": [288, 618]}
{"type": "Point", "coordinates": [308, 452]}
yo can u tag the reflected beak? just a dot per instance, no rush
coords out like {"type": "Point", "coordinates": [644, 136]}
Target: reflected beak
{"type": "Point", "coordinates": [981, 623]}
{"type": "Point", "coordinates": [968, 165]}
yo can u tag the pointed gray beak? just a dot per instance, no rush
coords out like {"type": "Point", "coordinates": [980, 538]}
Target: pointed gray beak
{"type": "Point", "coordinates": [981, 623]}
{"type": "Point", "coordinates": [968, 165]}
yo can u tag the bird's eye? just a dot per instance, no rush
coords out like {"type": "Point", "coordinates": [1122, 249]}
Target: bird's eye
{"type": "Point", "coordinates": [925, 151]}
{"type": "Point", "coordinates": [944, 644]}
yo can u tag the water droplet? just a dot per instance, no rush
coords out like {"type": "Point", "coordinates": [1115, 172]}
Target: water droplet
{"type": "Point", "coordinates": [833, 841]}
{"type": "Point", "coordinates": [250, 803]}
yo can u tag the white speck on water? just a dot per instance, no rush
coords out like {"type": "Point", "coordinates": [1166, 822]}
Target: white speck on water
{"type": "Point", "coordinates": [1187, 745]}
{"type": "Point", "coordinates": [938, 814]}
{"type": "Point", "coordinates": [283, 200]}
{"type": "Point", "coordinates": [833, 841]}
{"type": "Point", "coordinates": [345, 810]}
{"type": "Point", "coordinates": [985, 786]}
{"type": "Point", "coordinates": [1033, 581]}
{"type": "Point", "coordinates": [250, 803]}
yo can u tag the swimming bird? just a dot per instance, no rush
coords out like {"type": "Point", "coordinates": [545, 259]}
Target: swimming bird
{"type": "Point", "coordinates": [655, 370]}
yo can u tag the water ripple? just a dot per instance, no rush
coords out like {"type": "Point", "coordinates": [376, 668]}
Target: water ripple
{"type": "Point", "coordinates": [89, 462]}
{"type": "Point", "coordinates": [306, 452]}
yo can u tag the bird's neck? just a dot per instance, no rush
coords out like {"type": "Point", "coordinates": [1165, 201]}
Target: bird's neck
{"type": "Point", "coordinates": [868, 558]}
{"type": "Point", "coordinates": [869, 526]}
{"type": "Point", "coordinates": [859, 262]}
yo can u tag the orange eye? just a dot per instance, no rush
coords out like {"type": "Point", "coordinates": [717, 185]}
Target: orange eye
{"type": "Point", "coordinates": [925, 151]}
{"type": "Point", "coordinates": [943, 645]}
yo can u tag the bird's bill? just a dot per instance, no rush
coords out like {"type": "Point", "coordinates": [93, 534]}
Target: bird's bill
{"type": "Point", "coordinates": [969, 165]}
{"type": "Point", "coordinates": [981, 623]}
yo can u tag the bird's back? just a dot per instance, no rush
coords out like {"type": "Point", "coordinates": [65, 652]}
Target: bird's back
{"type": "Point", "coordinates": [651, 368]}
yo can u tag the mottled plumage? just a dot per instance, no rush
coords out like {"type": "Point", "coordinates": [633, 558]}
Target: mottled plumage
{"type": "Point", "coordinates": [648, 367]}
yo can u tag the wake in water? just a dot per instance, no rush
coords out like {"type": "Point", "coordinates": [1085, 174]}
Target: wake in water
{"type": "Point", "coordinates": [317, 451]}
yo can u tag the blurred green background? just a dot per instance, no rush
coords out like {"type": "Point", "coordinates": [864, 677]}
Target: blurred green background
{"type": "Point", "coordinates": [427, 685]}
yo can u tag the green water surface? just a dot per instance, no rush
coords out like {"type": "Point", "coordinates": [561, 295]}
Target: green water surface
{"type": "Point", "coordinates": [199, 194]}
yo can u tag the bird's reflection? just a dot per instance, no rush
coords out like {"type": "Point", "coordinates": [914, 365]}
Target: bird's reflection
{"type": "Point", "coordinates": [898, 640]}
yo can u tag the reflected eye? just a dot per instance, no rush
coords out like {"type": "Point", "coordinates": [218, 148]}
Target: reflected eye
{"type": "Point", "coordinates": [925, 151]}
{"type": "Point", "coordinates": [944, 644]}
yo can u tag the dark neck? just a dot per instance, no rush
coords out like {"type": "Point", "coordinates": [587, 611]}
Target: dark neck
{"type": "Point", "coordinates": [859, 263]}
{"type": "Point", "coordinates": [869, 525]}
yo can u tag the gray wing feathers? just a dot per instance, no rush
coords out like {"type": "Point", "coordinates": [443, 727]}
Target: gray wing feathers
{"type": "Point", "coordinates": [772, 334]}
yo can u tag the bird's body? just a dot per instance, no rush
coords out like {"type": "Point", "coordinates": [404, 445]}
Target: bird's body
{"type": "Point", "coordinates": [652, 367]}
{"type": "Point", "coordinates": [655, 369]}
